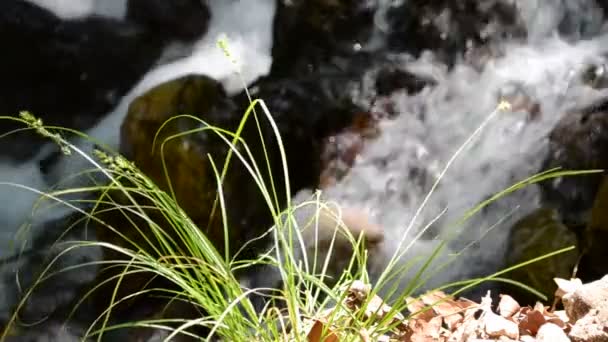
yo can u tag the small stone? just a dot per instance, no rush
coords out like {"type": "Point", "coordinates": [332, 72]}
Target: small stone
{"type": "Point", "coordinates": [496, 326]}
{"type": "Point", "coordinates": [589, 329]}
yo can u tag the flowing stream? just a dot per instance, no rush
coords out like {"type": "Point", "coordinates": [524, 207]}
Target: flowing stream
{"type": "Point", "coordinates": [394, 173]}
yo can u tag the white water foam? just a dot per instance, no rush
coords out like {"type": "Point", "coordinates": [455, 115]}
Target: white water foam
{"type": "Point", "coordinates": [394, 173]}
{"type": "Point", "coordinates": [78, 9]}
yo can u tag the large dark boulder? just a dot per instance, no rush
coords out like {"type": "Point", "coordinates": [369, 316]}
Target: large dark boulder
{"type": "Point", "coordinates": [318, 39]}
{"type": "Point", "coordinates": [451, 28]}
{"type": "Point", "coordinates": [71, 72]}
{"type": "Point", "coordinates": [579, 141]}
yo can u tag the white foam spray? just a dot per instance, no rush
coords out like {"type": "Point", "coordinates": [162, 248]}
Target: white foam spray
{"type": "Point", "coordinates": [78, 9]}
{"type": "Point", "coordinates": [395, 172]}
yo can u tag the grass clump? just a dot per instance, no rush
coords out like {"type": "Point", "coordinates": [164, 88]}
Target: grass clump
{"type": "Point", "coordinates": [205, 279]}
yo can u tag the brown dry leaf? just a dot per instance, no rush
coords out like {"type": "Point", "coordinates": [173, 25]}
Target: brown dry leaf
{"type": "Point", "coordinates": [541, 308]}
{"type": "Point", "coordinates": [566, 286]}
{"type": "Point", "coordinates": [560, 315]}
{"type": "Point", "coordinates": [470, 308]}
{"type": "Point", "coordinates": [449, 309]}
{"type": "Point", "coordinates": [376, 307]}
{"type": "Point", "coordinates": [532, 321]}
{"type": "Point", "coordinates": [360, 288]}
{"type": "Point", "coordinates": [316, 333]}
{"type": "Point", "coordinates": [415, 307]}
{"type": "Point", "coordinates": [508, 306]}
{"type": "Point", "coordinates": [486, 303]}
{"type": "Point", "coordinates": [433, 328]}
{"type": "Point", "coordinates": [466, 303]}
{"type": "Point", "coordinates": [558, 318]}
{"type": "Point", "coordinates": [452, 321]}
{"type": "Point", "coordinates": [425, 331]}
{"type": "Point", "coordinates": [468, 328]}
{"type": "Point", "coordinates": [358, 294]}
{"type": "Point", "coordinates": [432, 297]}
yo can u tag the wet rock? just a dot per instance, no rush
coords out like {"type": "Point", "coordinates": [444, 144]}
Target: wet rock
{"type": "Point", "coordinates": [192, 181]}
{"type": "Point", "coordinates": [71, 72]}
{"type": "Point", "coordinates": [181, 19]}
{"type": "Point", "coordinates": [312, 116]}
{"type": "Point", "coordinates": [450, 28]}
{"type": "Point", "coordinates": [310, 36]}
{"type": "Point", "coordinates": [537, 234]}
{"type": "Point", "coordinates": [325, 43]}
{"type": "Point", "coordinates": [324, 48]}
{"type": "Point", "coordinates": [151, 309]}
{"type": "Point", "coordinates": [579, 141]}
{"type": "Point", "coordinates": [596, 76]}
{"type": "Point", "coordinates": [341, 150]}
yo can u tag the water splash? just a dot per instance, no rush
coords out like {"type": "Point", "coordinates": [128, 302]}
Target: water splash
{"type": "Point", "coordinates": [395, 172]}
{"type": "Point", "coordinates": [76, 9]}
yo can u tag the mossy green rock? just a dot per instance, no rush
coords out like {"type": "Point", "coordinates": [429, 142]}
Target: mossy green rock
{"type": "Point", "coordinates": [535, 235]}
{"type": "Point", "coordinates": [187, 172]}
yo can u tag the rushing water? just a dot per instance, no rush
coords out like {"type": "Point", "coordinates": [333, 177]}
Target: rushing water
{"type": "Point", "coordinates": [395, 172]}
